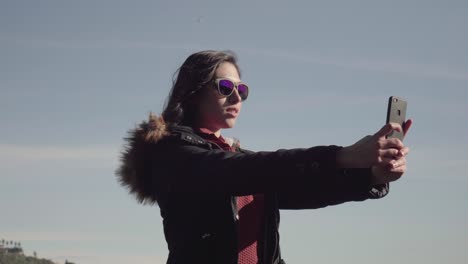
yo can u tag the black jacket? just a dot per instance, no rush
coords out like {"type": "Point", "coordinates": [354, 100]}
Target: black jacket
{"type": "Point", "coordinates": [195, 183]}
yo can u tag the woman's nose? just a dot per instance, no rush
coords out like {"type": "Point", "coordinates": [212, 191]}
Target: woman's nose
{"type": "Point", "coordinates": [234, 98]}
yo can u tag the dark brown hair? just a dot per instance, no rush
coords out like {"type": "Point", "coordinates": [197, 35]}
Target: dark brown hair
{"type": "Point", "coordinates": [196, 72]}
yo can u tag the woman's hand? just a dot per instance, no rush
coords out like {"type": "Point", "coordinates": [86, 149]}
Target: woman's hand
{"type": "Point", "coordinates": [390, 173]}
{"type": "Point", "coordinates": [386, 156]}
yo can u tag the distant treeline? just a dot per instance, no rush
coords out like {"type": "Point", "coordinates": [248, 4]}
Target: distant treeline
{"type": "Point", "coordinates": [11, 252]}
{"type": "Point", "coordinates": [6, 258]}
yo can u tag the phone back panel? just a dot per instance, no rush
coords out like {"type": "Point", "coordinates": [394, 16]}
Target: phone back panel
{"type": "Point", "coordinates": [396, 113]}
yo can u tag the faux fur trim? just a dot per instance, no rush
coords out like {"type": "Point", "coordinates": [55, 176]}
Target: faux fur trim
{"type": "Point", "coordinates": [134, 171]}
{"type": "Point", "coordinates": [156, 128]}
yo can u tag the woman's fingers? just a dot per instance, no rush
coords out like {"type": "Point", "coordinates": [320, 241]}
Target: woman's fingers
{"type": "Point", "coordinates": [389, 153]}
{"type": "Point", "coordinates": [407, 126]}
{"type": "Point", "coordinates": [385, 163]}
{"type": "Point", "coordinates": [391, 143]}
{"type": "Point", "coordinates": [372, 150]}
{"type": "Point", "coordinates": [401, 169]}
{"type": "Point", "coordinates": [394, 152]}
{"type": "Point", "coordinates": [401, 162]}
{"type": "Point", "coordinates": [404, 151]}
{"type": "Point", "coordinates": [392, 164]}
{"type": "Point", "coordinates": [387, 129]}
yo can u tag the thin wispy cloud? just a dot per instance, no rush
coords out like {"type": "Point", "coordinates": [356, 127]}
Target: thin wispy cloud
{"type": "Point", "coordinates": [37, 157]}
{"type": "Point", "coordinates": [371, 64]}
{"type": "Point", "coordinates": [57, 153]}
{"type": "Point", "coordinates": [92, 42]}
{"type": "Point", "coordinates": [359, 63]}
{"type": "Point", "coordinates": [299, 102]}
{"type": "Point", "coordinates": [71, 236]}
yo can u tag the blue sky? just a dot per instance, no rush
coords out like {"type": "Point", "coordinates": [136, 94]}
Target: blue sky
{"type": "Point", "coordinates": [76, 75]}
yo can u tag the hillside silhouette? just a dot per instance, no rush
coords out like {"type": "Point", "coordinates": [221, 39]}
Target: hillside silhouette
{"type": "Point", "coordinates": [12, 253]}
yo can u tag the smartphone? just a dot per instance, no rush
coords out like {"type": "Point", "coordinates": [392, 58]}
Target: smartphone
{"type": "Point", "coordinates": [396, 113]}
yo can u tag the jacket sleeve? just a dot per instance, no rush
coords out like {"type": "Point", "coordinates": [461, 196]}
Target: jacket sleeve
{"type": "Point", "coordinates": [345, 190]}
{"type": "Point", "coordinates": [191, 168]}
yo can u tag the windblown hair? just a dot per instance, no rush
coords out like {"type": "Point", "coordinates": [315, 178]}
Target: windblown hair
{"type": "Point", "coordinates": [196, 72]}
{"type": "Point", "coordinates": [136, 171]}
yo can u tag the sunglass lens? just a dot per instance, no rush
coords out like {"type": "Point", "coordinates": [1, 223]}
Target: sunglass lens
{"type": "Point", "coordinates": [225, 87]}
{"type": "Point", "coordinates": [243, 91]}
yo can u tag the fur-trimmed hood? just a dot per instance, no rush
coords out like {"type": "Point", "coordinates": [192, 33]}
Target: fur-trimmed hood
{"type": "Point", "coordinates": [134, 172]}
{"type": "Point", "coordinates": [138, 170]}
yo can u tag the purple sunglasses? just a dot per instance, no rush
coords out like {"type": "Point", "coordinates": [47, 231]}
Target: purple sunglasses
{"type": "Point", "coordinates": [226, 88]}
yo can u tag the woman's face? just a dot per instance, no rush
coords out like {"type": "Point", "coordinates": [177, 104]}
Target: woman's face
{"type": "Point", "coordinates": [217, 111]}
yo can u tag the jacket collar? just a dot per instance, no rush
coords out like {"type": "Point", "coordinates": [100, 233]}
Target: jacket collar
{"type": "Point", "coordinates": [187, 134]}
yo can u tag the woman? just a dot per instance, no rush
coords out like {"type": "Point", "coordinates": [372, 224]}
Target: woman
{"type": "Point", "coordinates": [220, 203]}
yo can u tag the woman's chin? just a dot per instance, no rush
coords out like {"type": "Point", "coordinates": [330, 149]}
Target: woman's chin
{"type": "Point", "coordinates": [229, 123]}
